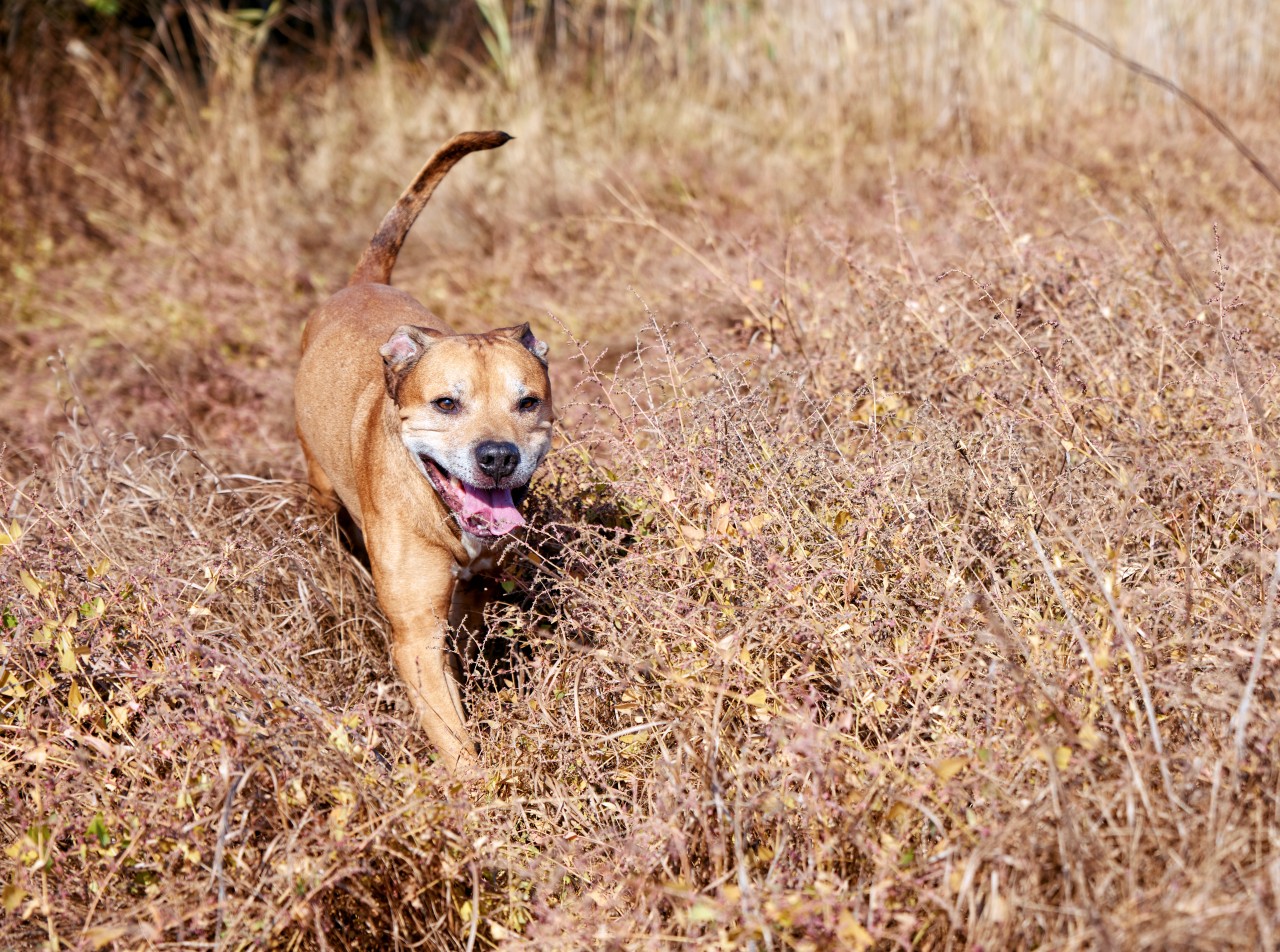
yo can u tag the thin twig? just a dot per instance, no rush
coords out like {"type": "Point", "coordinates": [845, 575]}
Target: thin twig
{"type": "Point", "coordinates": [1240, 720]}
{"type": "Point", "coordinates": [1163, 82]}
{"type": "Point", "coordinates": [475, 908]}
{"type": "Point", "coordinates": [218, 850]}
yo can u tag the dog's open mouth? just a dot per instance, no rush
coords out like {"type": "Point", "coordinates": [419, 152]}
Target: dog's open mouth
{"type": "Point", "coordinates": [482, 512]}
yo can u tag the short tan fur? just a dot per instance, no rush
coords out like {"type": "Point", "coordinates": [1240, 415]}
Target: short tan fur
{"type": "Point", "coordinates": [423, 435]}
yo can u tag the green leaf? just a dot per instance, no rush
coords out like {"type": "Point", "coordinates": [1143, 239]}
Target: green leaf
{"type": "Point", "coordinates": [97, 828]}
{"type": "Point", "coordinates": [93, 608]}
{"type": "Point", "coordinates": [104, 8]}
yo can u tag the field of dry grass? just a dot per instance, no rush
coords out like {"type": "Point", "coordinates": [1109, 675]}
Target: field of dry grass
{"type": "Point", "coordinates": [905, 572]}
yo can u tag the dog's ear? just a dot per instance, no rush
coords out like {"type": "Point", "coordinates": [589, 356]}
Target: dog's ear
{"type": "Point", "coordinates": [402, 352]}
{"type": "Point", "coordinates": [523, 336]}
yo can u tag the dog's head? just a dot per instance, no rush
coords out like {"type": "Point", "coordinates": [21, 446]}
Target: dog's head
{"type": "Point", "coordinates": [475, 412]}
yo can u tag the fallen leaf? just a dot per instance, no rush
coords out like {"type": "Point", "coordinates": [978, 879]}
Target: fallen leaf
{"type": "Point", "coordinates": [948, 767]}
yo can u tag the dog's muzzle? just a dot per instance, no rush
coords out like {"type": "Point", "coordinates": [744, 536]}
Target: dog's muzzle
{"type": "Point", "coordinates": [479, 511]}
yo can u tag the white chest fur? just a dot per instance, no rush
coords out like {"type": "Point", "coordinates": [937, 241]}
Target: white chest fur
{"type": "Point", "coordinates": [482, 555]}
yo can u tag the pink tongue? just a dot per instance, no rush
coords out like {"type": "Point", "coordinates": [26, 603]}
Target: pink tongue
{"type": "Point", "coordinates": [490, 510]}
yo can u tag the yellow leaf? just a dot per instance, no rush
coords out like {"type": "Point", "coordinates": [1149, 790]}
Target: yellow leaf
{"type": "Point", "coordinates": [693, 535]}
{"type": "Point", "coordinates": [899, 811]}
{"type": "Point", "coordinates": [98, 569]}
{"type": "Point", "coordinates": [721, 523]}
{"type": "Point", "coordinates": [74, 700]}
{"type": "Point", "coordinates": [632, 741]}
{"type": "Point", "coordinates": [10, 535]}
{"type": "Point", "coordinates": [703, 912]}
{"type": "Point", "coordinates": [30, 582]}
{"type": "Point", "coordinates": [1062, 757]}
{"type": "Point", "coordinates": [11, 897]}
{"type": "Point", "coordinates": [1089, 737]}
{"type": "Point", "coordinates": [758, 698]}
{"type": "Point", "coordinates": [851, 933]}
{"type": "Point", "coordinates": [67, 652]}
{"type": "Point", "coordinates": [100, 936]}
{"type": "Point", "coordinates": [757, 284]}
{"type": "Point", "coordinates": [948, 767]}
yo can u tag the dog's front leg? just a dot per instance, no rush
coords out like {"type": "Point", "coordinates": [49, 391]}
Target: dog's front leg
{"type": "Point", "coordinates": [415, 586]}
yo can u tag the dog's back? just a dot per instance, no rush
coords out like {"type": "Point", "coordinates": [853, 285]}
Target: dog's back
{"type": "Point", "coordinates": [340, 375]}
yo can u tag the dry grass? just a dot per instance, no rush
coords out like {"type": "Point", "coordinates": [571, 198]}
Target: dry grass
{"type": "Point", "coordinates": [904, 575]}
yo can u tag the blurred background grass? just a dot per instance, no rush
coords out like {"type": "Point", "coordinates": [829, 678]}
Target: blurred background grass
{"type": "Point", "coordinates": [156, 139]}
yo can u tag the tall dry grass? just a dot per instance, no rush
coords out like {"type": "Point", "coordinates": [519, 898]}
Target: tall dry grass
{"type": "Point", "coordinates": [905, 572]}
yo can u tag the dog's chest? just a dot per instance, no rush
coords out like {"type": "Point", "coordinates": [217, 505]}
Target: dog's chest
{"type": "Point", "coordinates": [482, 557]}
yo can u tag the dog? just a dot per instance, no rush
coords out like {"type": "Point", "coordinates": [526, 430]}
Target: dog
{"type": "Point", "coordinates": [428, 439]}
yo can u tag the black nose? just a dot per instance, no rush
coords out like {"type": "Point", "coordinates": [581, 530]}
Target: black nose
{"type": "Point", "coordinates": [497, 460]}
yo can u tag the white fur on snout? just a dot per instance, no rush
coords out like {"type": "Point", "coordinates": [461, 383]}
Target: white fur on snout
{"type": "Point", "coordinates": [460, 461]}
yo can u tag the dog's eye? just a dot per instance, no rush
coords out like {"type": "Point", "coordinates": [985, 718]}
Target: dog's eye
{"type": "Point", "coordinates": [528, 403]}
{"type": "Point", "coordinates": [446, 404]}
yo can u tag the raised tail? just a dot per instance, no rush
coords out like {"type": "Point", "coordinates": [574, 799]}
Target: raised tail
{"type": "Point", "coordinates": [379, 258]}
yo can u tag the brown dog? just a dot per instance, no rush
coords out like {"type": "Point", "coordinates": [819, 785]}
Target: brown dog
{"type": "Point", "coordinates": [427, 437]}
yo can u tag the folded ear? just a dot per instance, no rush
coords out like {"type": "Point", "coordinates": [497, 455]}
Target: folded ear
{"type": "Point", "coordinates": [523, 336]}
{"type": "Point", "coordinates": [402, 352]}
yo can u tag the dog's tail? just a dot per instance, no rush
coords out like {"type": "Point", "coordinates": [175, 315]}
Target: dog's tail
{"type": "Point", "coordinates": [379, 258]}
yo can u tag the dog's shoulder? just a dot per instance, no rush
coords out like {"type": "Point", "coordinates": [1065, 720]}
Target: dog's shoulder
{"type": "Point", "coordinates": [368, 311]}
